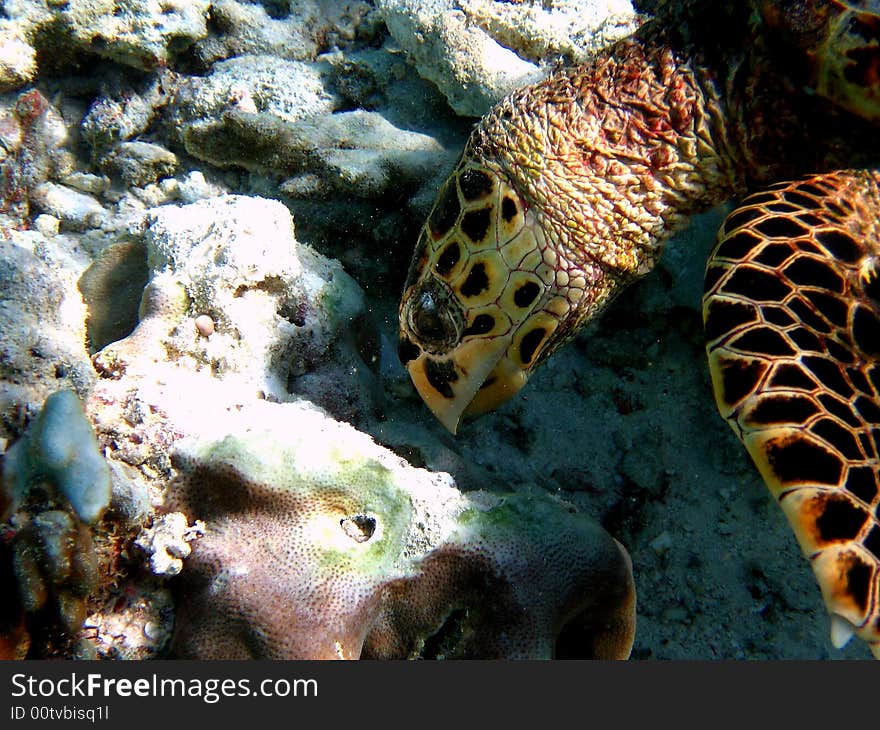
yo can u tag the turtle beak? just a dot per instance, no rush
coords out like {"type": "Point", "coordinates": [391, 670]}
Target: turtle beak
{"type": "Point", "coordinates": [474, 379]}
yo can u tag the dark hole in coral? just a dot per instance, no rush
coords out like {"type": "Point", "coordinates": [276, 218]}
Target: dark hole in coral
{"type": "Point", "coordinates": [447, 639]}
{"type": "Point", "coordinates": [293, 312]}
{"type": "Point", "coordinates": [359, 528]}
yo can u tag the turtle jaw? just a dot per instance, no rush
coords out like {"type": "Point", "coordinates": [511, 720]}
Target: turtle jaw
{"type": "Point", "coordinates": [476, 378]}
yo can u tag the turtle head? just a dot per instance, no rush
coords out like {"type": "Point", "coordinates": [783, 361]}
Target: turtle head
{"type": "Point", "coordinates": [838, 45]}
{"type": "Point", "coordinates": [480, 308]}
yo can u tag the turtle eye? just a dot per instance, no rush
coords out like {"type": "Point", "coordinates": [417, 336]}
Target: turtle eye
{"type": "Point", "coordinates": [432, 320]}
{"type": "Point", "coordinates": [427, 321]}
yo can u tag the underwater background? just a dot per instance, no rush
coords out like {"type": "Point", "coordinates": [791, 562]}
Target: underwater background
{"type": "Point", "coordinates": [207, 212]}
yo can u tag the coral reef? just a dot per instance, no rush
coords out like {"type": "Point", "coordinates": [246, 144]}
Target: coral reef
{"type": "Point", "coordinates": [111, 288]}
{"type": "Point", "coordinates": [42, 318]}
{"type": "Point", "coordinates": [274, 301]}
{"type": "Point", "coordinates": [320, 544]}
{"type": "Point", "coordinates": [280, 311]}
{"type": "Point", "coordinates": [481, 50]}
{"type": "Point", "coordinates": [295, 32]}
{"type": "Point", "coordinates": [56, 569]}
{"type": "Point", "coordinates": [140, 163]}
{"type": "Point", "coordinates": [245, 115]}
{"type": "Point", "coordinates": [316, 154]}
{"type": "Point", "coordinates": [55, 481]}
{"type": "Point", "coordinates": [140, 629]}
{"type": "Point", "coordinates": [167, 542]}
{"type": "Point", "coordinates": [143, 34]}
{"type": "Point", "coordinates": [18, 63]}
{"type": "Point", "coordinates": [32, 135]}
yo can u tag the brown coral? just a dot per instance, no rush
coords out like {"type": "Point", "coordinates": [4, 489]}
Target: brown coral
{"type": "Point", "coordinates": [367, 558]}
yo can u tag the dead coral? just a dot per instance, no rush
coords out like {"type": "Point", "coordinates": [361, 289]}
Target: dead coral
{"type": "Point", "coordinates": [30, 135]}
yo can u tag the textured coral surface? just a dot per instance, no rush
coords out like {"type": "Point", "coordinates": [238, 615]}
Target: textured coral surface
{"type": "Point", "coordinates": [320, 545]}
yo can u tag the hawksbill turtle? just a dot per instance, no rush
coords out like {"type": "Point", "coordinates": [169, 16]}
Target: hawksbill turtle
{"type": "Point", "coordinates": [567, 190]}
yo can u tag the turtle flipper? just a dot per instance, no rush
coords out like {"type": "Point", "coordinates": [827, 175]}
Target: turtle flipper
{"type": "Point", "coordinates": [792, 317]}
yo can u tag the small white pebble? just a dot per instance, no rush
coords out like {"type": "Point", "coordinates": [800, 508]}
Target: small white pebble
{"type": "Point", "coordinates": [151, 630]}
{"type": "Point", "coordinates": [205, 325]}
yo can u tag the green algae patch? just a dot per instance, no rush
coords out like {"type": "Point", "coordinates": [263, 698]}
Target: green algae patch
{"type": "Point", "coordinates": [349, 509]}
{"type": "Point", "coordinates": [378, 519]}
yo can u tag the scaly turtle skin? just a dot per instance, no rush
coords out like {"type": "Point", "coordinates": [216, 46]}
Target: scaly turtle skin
{"type": "Point", "coordinates": [568, 189]}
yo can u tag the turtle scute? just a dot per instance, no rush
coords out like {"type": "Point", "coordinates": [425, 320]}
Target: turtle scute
{"type": "Point", "coordinates": [793, 326]}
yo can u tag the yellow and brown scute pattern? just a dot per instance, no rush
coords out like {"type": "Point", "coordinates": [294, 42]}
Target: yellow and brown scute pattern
{"type": "Point", "coordinates": [485, 296]}
{"type": "Point", "coordinates": [792, 316]}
